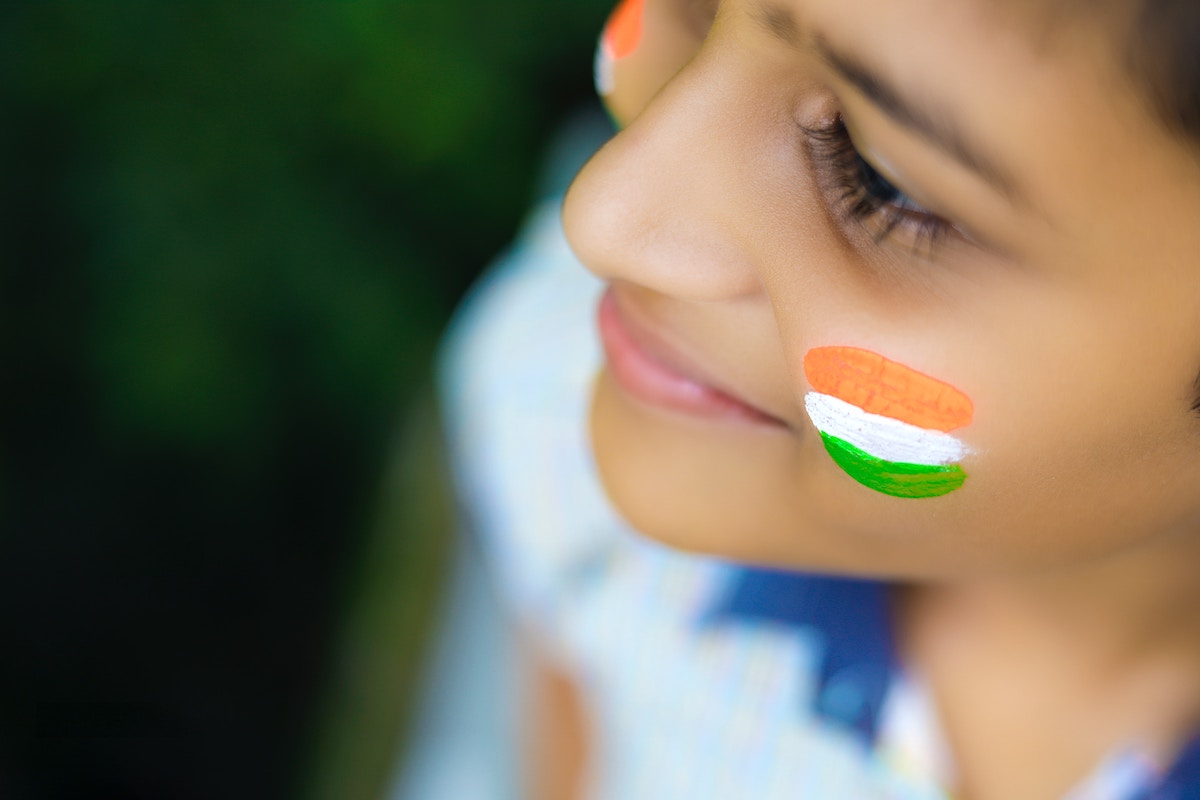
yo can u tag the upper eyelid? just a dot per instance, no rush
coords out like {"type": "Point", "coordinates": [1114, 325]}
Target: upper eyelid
{"type": "Point", "coordinates": [838, 162]}
{"type": "Point", "coordinates": [888, 174]}
{"type": "Point", "coordinates": [964, 232]}
{"type": "Point", "coordinates": [957, 229]}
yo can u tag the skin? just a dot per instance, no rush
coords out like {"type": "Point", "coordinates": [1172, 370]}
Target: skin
{"type": "Point", "coordinates": [1052, 601]}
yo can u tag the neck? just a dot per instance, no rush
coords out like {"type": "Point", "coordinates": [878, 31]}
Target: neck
{"type": "Point", "coordinates": [1124, 621]}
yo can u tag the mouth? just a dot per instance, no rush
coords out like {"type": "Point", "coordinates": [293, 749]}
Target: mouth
{"type": "Point", "coordinates": [643, 365]}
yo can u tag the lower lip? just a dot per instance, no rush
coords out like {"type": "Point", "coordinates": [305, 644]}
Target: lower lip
{"type": "Point", "coordinates": [646, 379]}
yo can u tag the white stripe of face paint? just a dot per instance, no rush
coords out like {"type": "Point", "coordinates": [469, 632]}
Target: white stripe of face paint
{"type": "Point", "coordinates": [602, 70]}
{"type": "Point", "coordinates": [882, 437]}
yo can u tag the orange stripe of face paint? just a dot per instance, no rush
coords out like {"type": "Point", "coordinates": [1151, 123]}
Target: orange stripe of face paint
{"type": "Point", "coordinates": [623, 32]}
{"type": "Point", "coordinates": [881, 386]}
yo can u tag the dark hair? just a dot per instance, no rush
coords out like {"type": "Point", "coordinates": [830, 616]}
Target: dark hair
{"type": "Point", "coordinates": [1163, 52]}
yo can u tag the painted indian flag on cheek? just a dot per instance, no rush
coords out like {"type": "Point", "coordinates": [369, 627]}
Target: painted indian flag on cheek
{"type": "Point", "coordinates": [622, 35]}
{"type": "Point", "coordinates": [886, 424]}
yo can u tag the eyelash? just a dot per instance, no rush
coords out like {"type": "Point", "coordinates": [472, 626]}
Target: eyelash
{"type": "Point", "coordinates": [863, 196]}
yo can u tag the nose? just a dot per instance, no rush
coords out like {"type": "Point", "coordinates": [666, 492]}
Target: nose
{"type": "Point", "coordinates": [659, 204]}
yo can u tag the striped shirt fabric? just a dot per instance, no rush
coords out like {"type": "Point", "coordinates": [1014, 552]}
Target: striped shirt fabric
{"type": "Point", "coordinates": [705, 680]}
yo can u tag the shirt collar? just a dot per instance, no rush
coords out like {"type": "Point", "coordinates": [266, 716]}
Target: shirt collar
{"type": "Point", "coordinates": [851, 619]}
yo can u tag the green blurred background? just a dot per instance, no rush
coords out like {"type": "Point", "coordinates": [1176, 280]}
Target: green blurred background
{"type": "Point", "coordinates": [231, 233]}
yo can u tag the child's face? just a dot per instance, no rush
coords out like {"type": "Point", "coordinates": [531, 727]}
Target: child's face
{"type": "Point", "coordinates": [1063, 299]}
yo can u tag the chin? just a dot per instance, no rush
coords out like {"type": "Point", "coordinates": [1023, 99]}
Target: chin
{"type": "Point", "coordinates": [643, 479]}
{"type": "Point", "coordinates": [671, 480]}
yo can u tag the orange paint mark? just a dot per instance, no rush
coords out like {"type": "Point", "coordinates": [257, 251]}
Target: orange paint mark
{"type": "Point", "coordinates": [624, 29]}
{"type": "Point", "coordinates": [881, 386]}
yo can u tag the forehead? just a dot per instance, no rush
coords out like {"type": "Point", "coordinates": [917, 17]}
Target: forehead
{"type": "Point", "coordinates": [971, 53]}
{"type": "Point", "coordinates": [983, 56]}
{"type": "Point", "coordinates": [1098, 31]}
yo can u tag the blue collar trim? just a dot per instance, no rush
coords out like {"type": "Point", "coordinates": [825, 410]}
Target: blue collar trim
{"type": "Point", "coordinates": [849, 616]}
{"type": "Point", "coordinates": [1183, 781]}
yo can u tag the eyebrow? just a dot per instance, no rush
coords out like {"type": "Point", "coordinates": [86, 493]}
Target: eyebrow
{"type": "Point", "coordinates": [935, 125]}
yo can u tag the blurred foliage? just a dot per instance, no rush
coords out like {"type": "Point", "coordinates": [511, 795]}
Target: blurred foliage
{"type": "Point", "coordinates": [231, 233]}
{"type": "Point", "coordinates": [373, 691]}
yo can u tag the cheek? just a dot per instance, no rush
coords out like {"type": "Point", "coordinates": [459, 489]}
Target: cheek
{"type": "Point", "coordinates": [743, 495]}
{"type": "Point", "coordinates": [756, 496]}
{"type": "Point", "coordinates": [1030, 481]}
{"type": "Point", "coordinates": [619, 40]}
{"type": "Point", "coordinates": [690, 484]}
{"type": "Point", "coordinates": [642, 46]}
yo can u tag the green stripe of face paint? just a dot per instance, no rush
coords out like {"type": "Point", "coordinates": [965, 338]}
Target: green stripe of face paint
{"type": "Point", "coordinates": [892, 477]}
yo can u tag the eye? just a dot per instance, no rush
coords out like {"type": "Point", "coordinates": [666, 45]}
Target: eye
{"type": "Point", "coordinates": [856, 191]}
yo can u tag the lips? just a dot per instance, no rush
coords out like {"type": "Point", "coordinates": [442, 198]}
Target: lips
{"type": "Point", "coordinates": [644, 366]}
